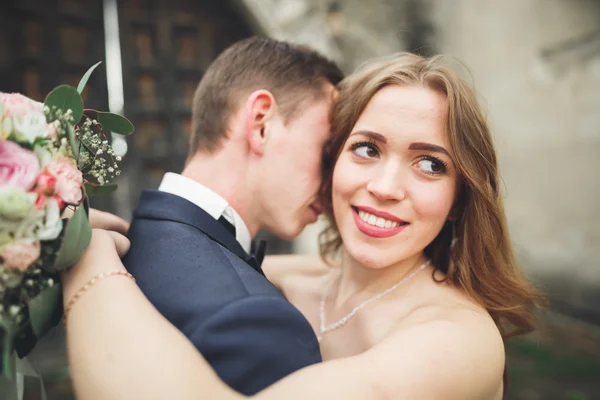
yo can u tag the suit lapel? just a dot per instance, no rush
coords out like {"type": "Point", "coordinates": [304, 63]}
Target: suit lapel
{"type": "Point", "coordinates": [165, 206]}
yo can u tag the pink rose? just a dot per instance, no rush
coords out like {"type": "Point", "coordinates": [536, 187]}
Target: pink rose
{"type": "Point", "coordinates": [17, 105]}
{"type": "Point", "coordinates": [68, 179]}
{"type": "Point", "coordinates": [20, 255]}
{"type": "Point", "coordinates": [18, 166]}
{"type": "Point", "coordinates": [46, 183]}
{"type": "Point", "coordinates": [40, 202]}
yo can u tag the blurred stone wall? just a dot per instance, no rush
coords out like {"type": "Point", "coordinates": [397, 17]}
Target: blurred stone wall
{"type": "Point", "coordinates": [536, 66]}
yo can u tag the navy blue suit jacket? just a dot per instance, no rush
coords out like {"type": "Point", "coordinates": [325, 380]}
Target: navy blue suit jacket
{"type": "Point", "coordinates": [198, 276]}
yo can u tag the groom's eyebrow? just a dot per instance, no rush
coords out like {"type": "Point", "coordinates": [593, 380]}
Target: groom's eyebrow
{"type": "Point", "coordinates": [373, 135]}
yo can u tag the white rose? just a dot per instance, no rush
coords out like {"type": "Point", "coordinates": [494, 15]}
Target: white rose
{"type": "Point", "coordinates": [5, 128]}
{"type": "Point", "coordinates": [44, 224]}
{"type": "Point", "coordinates": [5, 124]}
{"type": "Point", "coordinates": [52, 224]}
{"type": "Point", "coordinates": [43, 155]}
{"type": "Point", "coordinates": [31, 125]}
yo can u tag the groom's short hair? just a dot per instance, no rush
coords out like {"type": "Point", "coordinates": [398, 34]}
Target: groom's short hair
{"type": "Point", "coordinates": [295, 75]}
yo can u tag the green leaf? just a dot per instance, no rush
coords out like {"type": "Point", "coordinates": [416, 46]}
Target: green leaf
{"type": "Point", "coordinates": [77, 238]}
{"type": "Point", "coordinates": [96, 190]}
{"type": "Point", "coordinates": [43, 310]}
{"type": "Point", "coordinates": [86, 204]}
{"type": "Point", "coordinates": [91, 113]}
{"type": "Point", "coordinates": [115, 123]}
{"type": "Point", "coordinates": [86, 76]}
{"type": "Point", "coordinates": [73, 141]}
{"type": "Point", "coordinates": [7, 330]}
{"type": "Point", "coordinates": [8, 384]}
{"type": "Point", "coordinates": [66, 97]}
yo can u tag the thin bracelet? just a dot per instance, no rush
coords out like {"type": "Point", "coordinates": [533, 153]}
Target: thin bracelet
{"type": "Point", "coordinates": [91, 283]}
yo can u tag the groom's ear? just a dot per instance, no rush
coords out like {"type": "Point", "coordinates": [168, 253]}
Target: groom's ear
{"type": "Point", "coordinates": [260, 110]}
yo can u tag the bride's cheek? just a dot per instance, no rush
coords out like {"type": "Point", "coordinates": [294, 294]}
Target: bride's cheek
{"type": "Point", "coordinates": [346, 177]}
{"type": "Point", "coordinates": [433, 203]}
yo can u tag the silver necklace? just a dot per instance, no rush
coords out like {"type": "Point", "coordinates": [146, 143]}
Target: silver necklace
{"type": "Point", "coordinates": [323, 329]}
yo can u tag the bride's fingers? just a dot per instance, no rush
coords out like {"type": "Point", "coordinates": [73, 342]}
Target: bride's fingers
{"type": "Point", "coordinates": [121, 243]}
{"type": "Point", "coordinates": [102, 220]}
{"type": "Point", "coordinates": [107, 221]}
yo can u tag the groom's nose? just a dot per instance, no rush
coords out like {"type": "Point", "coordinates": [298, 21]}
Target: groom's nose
{"type": "Point", "coordinates": [318, 207]}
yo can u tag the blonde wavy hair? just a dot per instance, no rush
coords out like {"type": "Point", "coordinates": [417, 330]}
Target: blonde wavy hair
{"type": "Point", "coordinates": [482, 263]}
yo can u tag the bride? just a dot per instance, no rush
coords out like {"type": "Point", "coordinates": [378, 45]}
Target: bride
{"type": "Point", "coordinates": [417, 286]}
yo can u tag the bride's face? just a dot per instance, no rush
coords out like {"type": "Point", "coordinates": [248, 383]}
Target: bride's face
{"type": "Point", "coordinates": [394, 183]}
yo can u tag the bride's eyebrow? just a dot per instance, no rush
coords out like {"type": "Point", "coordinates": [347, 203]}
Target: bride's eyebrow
{"type": "Point", "coordinates": [428, 147]}
{"type": "Point", "coordinates": [373, 135]}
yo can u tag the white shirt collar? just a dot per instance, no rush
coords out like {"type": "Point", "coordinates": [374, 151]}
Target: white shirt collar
{"type": "Point", "coordinates": [209, 201]}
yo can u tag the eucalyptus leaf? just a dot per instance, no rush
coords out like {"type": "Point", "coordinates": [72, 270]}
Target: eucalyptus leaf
{"type": "Point", "coordinates": [115, 123]}
{"type": "Point", "coordinates": [73, 141]}
{"type": "Point", "coordinates": [65, 97]}
{"type": "Point", "coordinates": [9, 386]}
{"type": "Point", "coordinates": [7, 329]}
{"type": "Point", "coordinates": [43, 310]}
{"type": "Point", "coordinates": [86, 76]}
{"type": "Point", "coordinates": [96, 190]}
{"type": "Point", "coordinates": [77, 238]}
{"type": "Point", "coordinates": [86, 204]}
{"type": "Point", "coordinates": [91, 113]}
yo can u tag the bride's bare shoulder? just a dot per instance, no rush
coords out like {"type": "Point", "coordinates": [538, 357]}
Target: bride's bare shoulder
{"type": "Point", "coordinates": [460, 338]}
{"type": "Point", "coordinates": [280, 269]}
{"type": "Point", "coordinates": [446, 305]}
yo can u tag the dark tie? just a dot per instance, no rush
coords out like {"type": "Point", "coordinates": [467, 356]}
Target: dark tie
{"type": "Point", "coordinates": [228, 225]}
{"type": "Point", "coordinates": [257, 249]}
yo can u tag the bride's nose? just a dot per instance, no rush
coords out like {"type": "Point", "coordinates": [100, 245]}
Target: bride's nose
{"type": "Point", "coordinates": [387, 183]}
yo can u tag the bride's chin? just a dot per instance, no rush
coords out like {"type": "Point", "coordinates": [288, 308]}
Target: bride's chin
{"type": "Point", "coordinates": [368, 258]}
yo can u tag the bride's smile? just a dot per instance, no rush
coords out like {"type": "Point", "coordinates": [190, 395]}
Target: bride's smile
{"type": "Point", "coordinates": [377, 223]}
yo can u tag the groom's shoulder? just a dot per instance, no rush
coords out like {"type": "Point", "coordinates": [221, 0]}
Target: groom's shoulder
{"type": "Point", "coordinates": [179, 258]}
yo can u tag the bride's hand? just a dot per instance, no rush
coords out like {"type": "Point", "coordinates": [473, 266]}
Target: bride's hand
{"type": "Point", "coordinates": [102, 220]}
{"type": "Point", "coordinates": [120, 242]}
{"type": "Point", "coordinates": [102, 255]}
{"type": "Point", "coordinates": [107, 221]}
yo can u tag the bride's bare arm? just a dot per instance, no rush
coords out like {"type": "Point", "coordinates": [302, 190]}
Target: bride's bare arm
{"type": "Point", "coordinates": [120, 347]}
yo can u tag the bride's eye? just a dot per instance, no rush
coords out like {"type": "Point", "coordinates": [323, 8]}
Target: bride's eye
{"type": "Point", "coordinates": [365, 149]}
{"type": "Point", "coordinates": [432, 166]}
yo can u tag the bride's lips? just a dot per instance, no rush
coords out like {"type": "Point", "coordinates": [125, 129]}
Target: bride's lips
{"type": "Point", "coordinates": [376, 231]}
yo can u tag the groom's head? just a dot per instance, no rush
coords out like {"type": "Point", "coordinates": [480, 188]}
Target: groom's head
{"type": "Point", "coordinates": [266, 103]}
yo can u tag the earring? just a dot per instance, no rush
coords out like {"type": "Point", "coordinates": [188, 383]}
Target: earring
{"type": "Point", "coordinates": [454, 237]}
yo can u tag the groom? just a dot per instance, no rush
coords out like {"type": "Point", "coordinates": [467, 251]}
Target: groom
{"type": "Point", "coordinates": [259, 122]}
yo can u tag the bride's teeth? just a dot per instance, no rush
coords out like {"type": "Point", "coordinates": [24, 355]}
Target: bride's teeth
{"type": "Point", "coordinates": [377, 221]}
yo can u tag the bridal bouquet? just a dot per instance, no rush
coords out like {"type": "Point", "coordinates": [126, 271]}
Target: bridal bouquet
{"type": "Point", "coordinates": [52, 157]}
